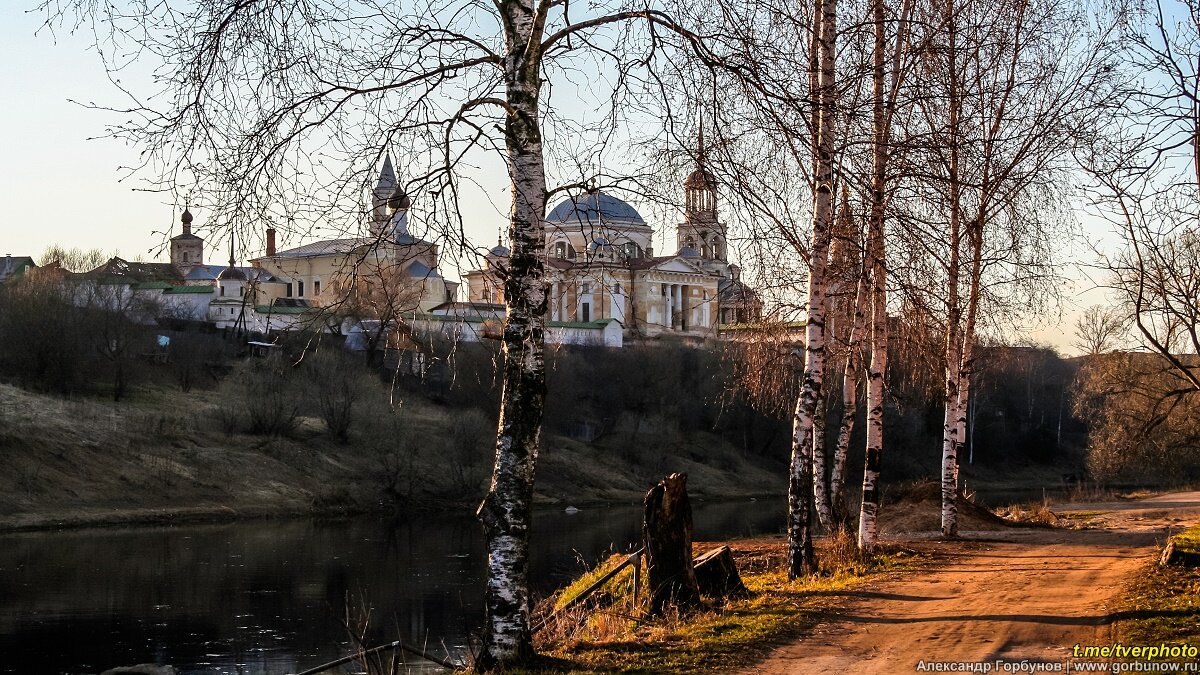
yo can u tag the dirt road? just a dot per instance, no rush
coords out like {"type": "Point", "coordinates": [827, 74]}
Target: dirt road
{"type": "Point", "coordinates": [1017, 594]}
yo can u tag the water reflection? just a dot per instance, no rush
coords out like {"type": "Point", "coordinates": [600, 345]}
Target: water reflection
{"type": "Point", "coordinates": [270, 597]}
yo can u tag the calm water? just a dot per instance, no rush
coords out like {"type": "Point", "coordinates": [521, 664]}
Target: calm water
{"type": "Point", "coordinates": [270, 597]}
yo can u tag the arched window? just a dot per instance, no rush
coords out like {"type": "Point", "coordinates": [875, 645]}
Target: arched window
{"type": "Point", "coordinates": [560, 249]}
{"type": "Point", "coordinates": [690, 243]}
{"type": "Point", "coordinates": [632, 250]}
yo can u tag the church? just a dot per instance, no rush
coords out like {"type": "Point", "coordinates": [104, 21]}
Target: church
{"type": "Point", "coordinates": [606, 285]}
{"type": "Point", "coordinates": [384, 273]}
{"type": "Point", "coordinates": [601, 266]}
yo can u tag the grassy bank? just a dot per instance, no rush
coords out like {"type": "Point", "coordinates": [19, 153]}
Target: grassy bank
{"type": "Point", "coordinates": [1165, 601]}
{"type": "Point", "coordinates": [613, 636]}
{"type": "Point", "coordinates": [162, 455]}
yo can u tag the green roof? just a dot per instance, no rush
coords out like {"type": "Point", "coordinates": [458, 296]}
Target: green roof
{"type": "Point", "coordinates": [275, 309]}
{"type": "Point", "coordinates": [191, 290]}
{"type": "Point", "coordinates": [151, 285]}
{"type": "Point", "coordinates": [600, 323]}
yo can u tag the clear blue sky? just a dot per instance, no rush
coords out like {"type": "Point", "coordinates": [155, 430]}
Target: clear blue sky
{"type": "Point", "coordinates": [59, 187]}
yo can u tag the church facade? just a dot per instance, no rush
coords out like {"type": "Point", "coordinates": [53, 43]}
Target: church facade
{"type": "Point", "coordinates": [386, 272]}
{"type": "Point", "coordinates": [601, 266]}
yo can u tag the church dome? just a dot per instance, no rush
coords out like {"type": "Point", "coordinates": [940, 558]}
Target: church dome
{"type": "Point", "coordinates": [500, 251]}
{"type": "Point", "coordinates": [399, 200]}
{"type": "Point", "coordinates": [595, 207]}
{"type": "Point", "coordinates": [701, 179]}
{"type": "Point", "coordinates": [688, 252]}
{"type": "Point", "coordinates": [231, 273]}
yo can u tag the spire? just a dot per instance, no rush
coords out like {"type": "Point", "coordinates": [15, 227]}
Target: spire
{"type": "Point", "coordinates": [186, 218]}
{"type": "Point", "coordinates": [387, 177]}
{"type": "Point", "coordinates": [231, 272]}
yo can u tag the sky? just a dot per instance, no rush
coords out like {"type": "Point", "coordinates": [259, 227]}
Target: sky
{"type": "Point", "coordinates": [62, 182]}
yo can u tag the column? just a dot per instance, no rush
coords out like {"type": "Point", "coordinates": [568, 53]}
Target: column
{"type": "Point", "coordinates": [668, 297]}
{"type": "Point", "coordinates": [678, 290]}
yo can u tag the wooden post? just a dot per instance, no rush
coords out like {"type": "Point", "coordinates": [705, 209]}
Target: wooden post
{"type": "Point", "coordinates": [668, 537]}
{"type": "Point", "coordinates": [637, 577]}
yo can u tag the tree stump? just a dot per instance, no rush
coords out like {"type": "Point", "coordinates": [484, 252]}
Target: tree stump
{"type": "Point", "coordinates": [667, 531]}
{"type": "Point", "coordinates": [717, 575]}
{"type": "Point", "coordinates": [1174, 556]}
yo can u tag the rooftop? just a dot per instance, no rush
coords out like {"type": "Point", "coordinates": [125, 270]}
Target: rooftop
{"type": "Point", "coordinates": [595, 208]}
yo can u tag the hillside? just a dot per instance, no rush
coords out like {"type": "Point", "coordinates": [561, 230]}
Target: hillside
{"type": "Point", "coordinates": [165, 455]}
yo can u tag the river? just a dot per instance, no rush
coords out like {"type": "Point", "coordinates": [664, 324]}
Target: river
{"type": "Point", "coordinates": [267, 597]}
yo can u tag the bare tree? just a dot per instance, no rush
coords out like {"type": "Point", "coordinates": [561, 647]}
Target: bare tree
{"type": "Point", "coordinates": [267, 108]}
{"type": "Point", "coordinates": [1005, 82]}
{"type": "Point", "coordinates": [1145, 166]}
{"type": "Point", "coordinates": [381, 296]}
{"type": "Point", "coordinates": [1100, 329]}
{"type": "Point", "coordinates": [74, 259]}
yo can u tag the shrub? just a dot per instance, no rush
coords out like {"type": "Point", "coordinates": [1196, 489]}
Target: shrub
{"type": "Point", "coordinates": [261, 394]}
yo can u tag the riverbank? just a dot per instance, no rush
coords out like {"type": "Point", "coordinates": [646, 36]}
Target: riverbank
{"type": "Point", "coordinates": [163, 456]}
{"type": "Point", "coordinates": [166, 457]}
{"type": "Point", "coordinates": [1013, 594]}
{"type": "Point", "coordinates": [734, 631]}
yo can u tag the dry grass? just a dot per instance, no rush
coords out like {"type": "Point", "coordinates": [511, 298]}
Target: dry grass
{"type": "Point", "coordinates": [1163, 604]}
{"type": "Point", "coordinates": [615, 636]}
{"type": "Point", "coordinates": [1034, 515]}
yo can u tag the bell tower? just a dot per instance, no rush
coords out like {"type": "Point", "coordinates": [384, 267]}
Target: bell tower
{"type": "Point", "coordinates": [187, 250]}
{"type": "Point", "coordinates": [700, 229]}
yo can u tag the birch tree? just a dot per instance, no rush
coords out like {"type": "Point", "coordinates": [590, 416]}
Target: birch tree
{"type": "Point", "coordinates": [1007, 82]}
{"type": "Point", "coordinates": [809, 136]}
{"type": "Point", "coordinates": [801, 560]}
{"type": "Point", "coordinates": [278, 113]}
{"type": "Point", "coordinates": [889, 66]}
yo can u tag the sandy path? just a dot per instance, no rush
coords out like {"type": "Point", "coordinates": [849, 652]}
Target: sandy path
{"type": "Point", "coordinates": [1013, 595]}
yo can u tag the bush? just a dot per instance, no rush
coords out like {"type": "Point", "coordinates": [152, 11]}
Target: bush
{"type": "Point", "coordinates": [468, 449]}
{"type": "Point", "coordinates": [337, 383]}
{"type": "Point", "coordinates": [261, 394]}
{"type": "Point", "coordinates": [1144, 420]}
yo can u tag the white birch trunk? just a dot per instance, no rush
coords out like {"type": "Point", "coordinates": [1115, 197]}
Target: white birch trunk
{"type": "Point", "coordinates": [882, 106]}
{"type": "Point", "coordinates": [953, 316]}
{"type": "Point", "coordinates": [800, 484]}
{"type": "Point", "coordinates": [506, 510]}
{"type": "Point", "coordinates": [820, 463]}
{"type": "Point", "coordinates": [950, 428]}
{"type": "Point", "coordinates": [850, 381]}
{"type": "Point", "coordinates": [868, 523]}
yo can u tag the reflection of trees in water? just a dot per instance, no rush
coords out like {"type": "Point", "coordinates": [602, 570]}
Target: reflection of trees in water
{"type": "Point", "coordinates": [275, 591]}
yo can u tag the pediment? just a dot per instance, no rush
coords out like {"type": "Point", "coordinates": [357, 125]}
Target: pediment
{"type": "Point", "coordinates": [678, 264]}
